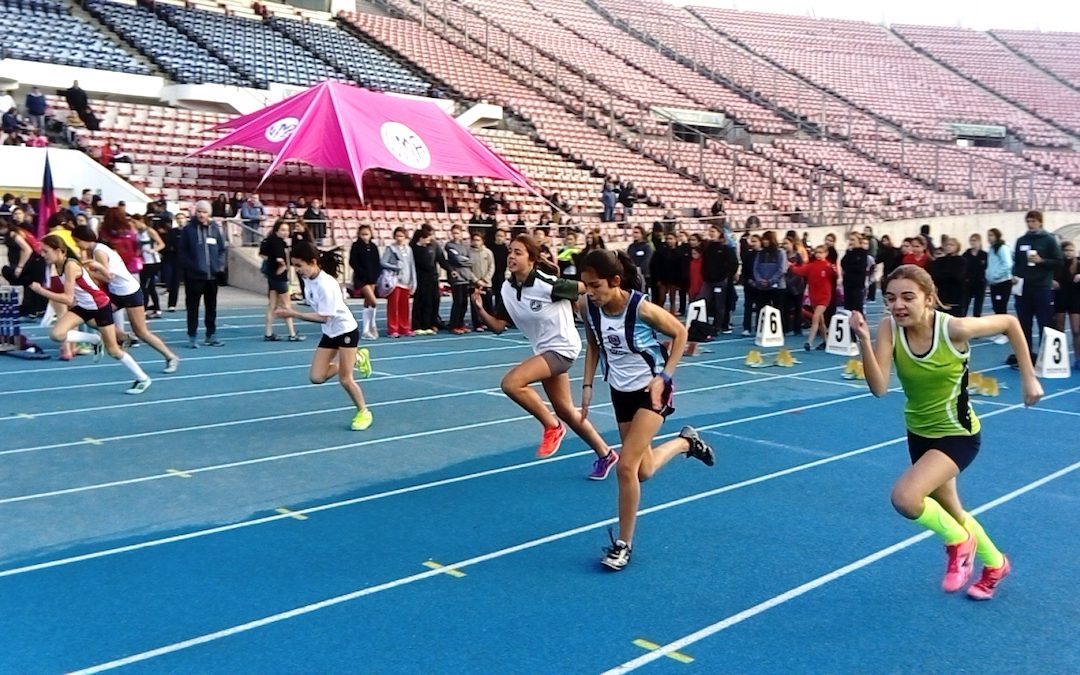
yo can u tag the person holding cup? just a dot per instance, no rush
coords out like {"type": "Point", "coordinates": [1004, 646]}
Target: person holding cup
{"type": "Point", "coordinates": [1038, 256]}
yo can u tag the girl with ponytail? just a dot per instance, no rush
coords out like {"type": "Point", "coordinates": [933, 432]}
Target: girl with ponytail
{"type": "Point", "coordinates": [621, 327]}
{"type": "Point", "coordinates": [540, 304]}
{"type": "Point", "coordinates": [336, 353]}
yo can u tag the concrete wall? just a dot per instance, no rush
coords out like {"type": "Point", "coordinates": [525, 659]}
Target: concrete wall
{"type": "Point", "coordinates": [22, 170]}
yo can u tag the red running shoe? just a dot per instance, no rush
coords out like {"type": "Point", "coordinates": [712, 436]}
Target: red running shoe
{"type": "Point", "coordinates": [960, 566]}
{"type": "Point", "coordinates": [551, 441]}
{"type": "Point", "coordinates": [984, 588]}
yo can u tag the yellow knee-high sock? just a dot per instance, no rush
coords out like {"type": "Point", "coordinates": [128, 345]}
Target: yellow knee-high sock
{"type": "Point", "coordinates": [935, 517]}
{"type": "Point", "coordinates": [985, 549]}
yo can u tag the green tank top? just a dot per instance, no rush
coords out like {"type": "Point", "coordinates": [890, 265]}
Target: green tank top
{"type": "Point", "coordinates": [936, 384]}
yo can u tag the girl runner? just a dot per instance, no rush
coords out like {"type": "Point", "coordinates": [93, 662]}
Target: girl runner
{"type": "Point", "coordinates": [539, 303]}
{"type": "Point", "coordinates": [276, 263]}
{"type": "Point", "coordinates": [930, 349]}
{"type": "Point", "coordinates": [123, 288]}
{"type": "Point", "coordinates": [71, 284]}
{"type": "Point", "coordinates": [340, 331]}
{"type": "Point", "coordinates": [621, 327]}
{"type": "Point", "coordinates": [150, 246]}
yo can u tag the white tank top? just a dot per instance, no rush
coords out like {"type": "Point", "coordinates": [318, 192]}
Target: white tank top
{"type": "Point", "coordinates": [146, 246]}
{"type": "Point", "coordinates": [122, 283]}
{"type": "Point", "coordinates": [88, 295]}
{"type": "Point", "coordinates": [631, 355]}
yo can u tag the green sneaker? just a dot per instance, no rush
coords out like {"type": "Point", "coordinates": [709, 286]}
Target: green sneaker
{"type": "Point", "coordinates": [362, 420]}
{"type": "Point", "coordinates": [363, 362]}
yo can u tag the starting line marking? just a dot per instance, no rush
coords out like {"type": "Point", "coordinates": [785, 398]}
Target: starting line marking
{"type": "Point", "coordinates": [652, 647]}
{"type": "Point", "coordinates": [178, 473]}
{"type": "Point", "coordinates": [25, 416]}
{"type": "Point", "coordinates": [93, 441]}
{"type": "Point", "coordinates": [290, 513]}
{"type": "Point", "coordinates": [431, 564]}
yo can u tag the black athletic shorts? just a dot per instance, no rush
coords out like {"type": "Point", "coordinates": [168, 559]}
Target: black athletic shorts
{"type": "Point", "coordinates": [627, 403]}
{"type": "Point", "coordinates": [124, 301]}
{"type": "Point", "coordinates": [350, 339]}
{"type": "Point", "coordinates": [960, 449]}
{"type": "Point", "coordinates": [101, 317]}
{"type": "Point", "coordinates": [279, 286]}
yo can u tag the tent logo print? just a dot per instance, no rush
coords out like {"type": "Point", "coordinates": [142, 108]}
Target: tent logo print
{"type": "Point", "coordinates": [282, 129]}
{"type": "Point", "coordinates": [405, 145]}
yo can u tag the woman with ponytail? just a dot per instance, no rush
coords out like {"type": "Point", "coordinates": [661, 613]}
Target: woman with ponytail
{"type": "Point", "coordinates": [71, 284]}
{"type": "Point", "coordinates": [337, 353]}
{"type": "Point", "coordinates": [540, 304]}
{"type": "Point", "coordinates": [621, 327]}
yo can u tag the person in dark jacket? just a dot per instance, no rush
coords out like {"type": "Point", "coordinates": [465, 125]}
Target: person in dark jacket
{"type": "Point", "coordinates": [202, 252]}
{"type": "Point", "coordinates": [977, 261]}
{"type": "Point", "coordinates": [459, 262]}
{"type": "Point", "coordinates": [641, 254]}
{"type": "Point", "coordinates": [888, 255]}
{"type": "Point", "coordinates": [719, 265]}
{"type": "Point", "coordinates": [770, 266]}
{"type": "Point", "coordinates": [949, 272]}
{"type": "Point", "coordinates": [855, 267]}
{"type": "Point", "coordinates": [425, 309]}
{"type": "Point", "coordinates": [36, 106]}
{"type": "Point", "coordinates": [666, 271]}
{"type": "Point", "coordinates": [627, 197]}
{"type": "Point", "coordinates": [76, 98]}
{"type": "Point", "coordinates": [1036, 259]}
{"type": "Point", "coordinates": [746, 279]}
{"type": "Point", "coordinates": [275, 267]}
{"type": "Point", "coordinates": [171, 272]}
{"type": "Point", "coordinates": [364, 259]}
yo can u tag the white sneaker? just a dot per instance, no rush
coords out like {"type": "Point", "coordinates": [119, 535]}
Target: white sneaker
{"type": "Point", "coordinates": [370, 335]}
{"type": "Point", "coordinates": [171, 365]}
{"type": "Point", "coordinates": [1001, 339]}
{"type": "Point", "coordinates": [139, 387]}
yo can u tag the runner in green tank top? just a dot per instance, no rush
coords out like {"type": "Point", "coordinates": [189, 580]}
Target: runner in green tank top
{"type": "Point", "coordinates": [931, 352]}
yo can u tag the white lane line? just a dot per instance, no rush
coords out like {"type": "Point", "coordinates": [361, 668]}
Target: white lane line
{"type": "Point", "coordinates": [472, 562]}
{"type": "Point", "coordinates": [347, 446]}
{"type": "Point", "coordinates": [840, 572]}
{"type": "Point", "coordinates": [382, 343]}
{"type": "Point", "coordinates": [196, 376]}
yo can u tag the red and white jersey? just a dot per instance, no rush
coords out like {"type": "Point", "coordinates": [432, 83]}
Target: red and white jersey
{"type": "Point", "coordinates": [122, 282]}
{"type": "Point", "coordinates": [88, 295]}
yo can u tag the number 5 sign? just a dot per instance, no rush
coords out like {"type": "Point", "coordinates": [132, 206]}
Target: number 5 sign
{"type": "Point", "coordinates": [840, 341]}
{"type": "Point", "coordinates": [1053, 361]}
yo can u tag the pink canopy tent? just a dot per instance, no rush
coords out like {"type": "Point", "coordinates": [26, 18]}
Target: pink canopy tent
{"type": "Point", "coordinates": [338, 126]}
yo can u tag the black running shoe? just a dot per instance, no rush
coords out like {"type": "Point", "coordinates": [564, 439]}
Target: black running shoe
{"type": "Point", "coordinates": [617, 556]}
{"type": "Point", "coordinates": [698, 449]}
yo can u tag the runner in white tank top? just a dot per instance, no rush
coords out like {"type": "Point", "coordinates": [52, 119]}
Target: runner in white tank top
{"type": "Point", "coordinates": [124, 290]}
{"type": "Point", "coordinates": [621, 327]}
{"type": "Point", "coordinates": [539, 303]}
{"type": "Point", "coordinates": [88, 304]}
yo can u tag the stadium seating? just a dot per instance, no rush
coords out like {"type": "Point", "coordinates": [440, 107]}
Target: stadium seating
{"type": "Point", "coordinates": [1057, 53]}
{"type": "Point", "coordinates": [865, 64]}
{"type": "Point", "coordinates": [251, 47]}
{"type": "Point", "coordinates": [983, 59]}
{"type": "Point", "coordinates": [43, 30]}
{"type": "Point", "coordinates": [185, 60]}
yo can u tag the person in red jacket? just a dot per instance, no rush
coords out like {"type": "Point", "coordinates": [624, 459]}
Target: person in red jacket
{"type": "Point", "coordinates": [918, 255]}
{"type": "Point", "coordinates": [820, 275]}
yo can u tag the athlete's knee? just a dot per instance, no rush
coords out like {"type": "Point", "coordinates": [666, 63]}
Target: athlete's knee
{"type": "Point", "coordinates": [510, 385]}
{"type": "Point", "coordinates": [626, 471]}
{"type": "Point", "coordinates": [906, 501]}
{"type": "Point", "coordinates": [316, 379]}
{"type": "Point", "coordinates": [57, 335]}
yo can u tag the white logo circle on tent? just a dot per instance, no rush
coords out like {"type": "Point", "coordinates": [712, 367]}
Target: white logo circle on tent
{"type": "Point", "coordinates": [282, 129]}
{"type": "Point", "coordinates": [405, 145]}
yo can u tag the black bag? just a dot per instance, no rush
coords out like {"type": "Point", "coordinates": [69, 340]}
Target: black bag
{"type": "Point", "coordinates": [700, 331]}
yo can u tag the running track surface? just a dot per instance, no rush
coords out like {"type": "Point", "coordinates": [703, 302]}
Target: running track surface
{"type": "Point", "coordinates": [228, 521]}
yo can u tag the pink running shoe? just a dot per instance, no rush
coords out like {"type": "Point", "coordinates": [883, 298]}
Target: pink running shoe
{"type": "Point", "coordinates": [960, 566]}
{"type": "Point", "coordinates": [602, 466]}
{"type": "Point", "coordinates": [984, 588]}
{"type": "Point", "coordinates": [549, 445]}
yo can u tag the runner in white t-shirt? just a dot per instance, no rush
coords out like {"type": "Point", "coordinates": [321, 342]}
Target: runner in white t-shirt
{"type": "Point", "coordinates": [340, 331]}
{"type": "Point", "coordinates": [541, 305]}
